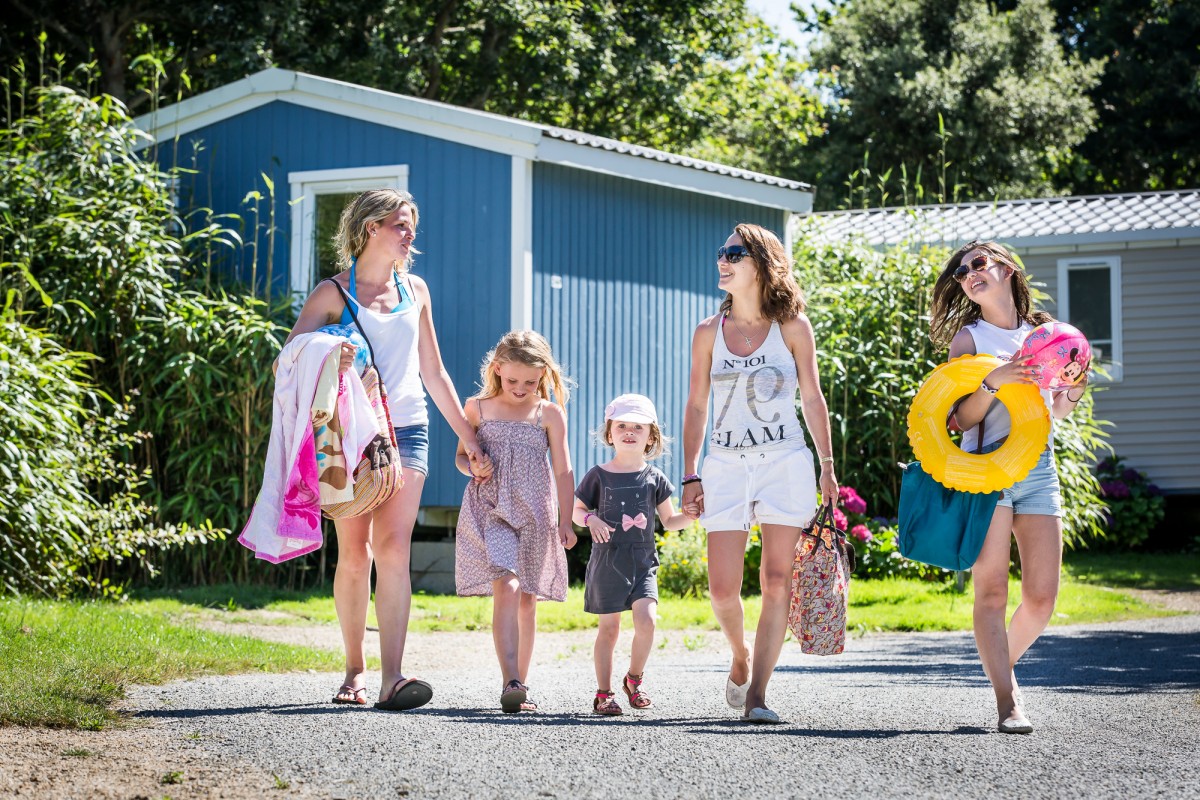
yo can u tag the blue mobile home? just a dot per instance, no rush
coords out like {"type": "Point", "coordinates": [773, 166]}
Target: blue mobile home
{"type": "Point", "coordinates": [606, 248]}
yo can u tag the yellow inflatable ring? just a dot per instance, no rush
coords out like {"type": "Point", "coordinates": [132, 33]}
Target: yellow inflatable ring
{"type": "Point", "coordinates": [949, 464]}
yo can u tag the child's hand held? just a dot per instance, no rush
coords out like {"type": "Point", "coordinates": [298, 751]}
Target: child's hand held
{"type": "Point", "coordinates": [481, 465]}
{"type": "Point", "coordinates": [566, 536]}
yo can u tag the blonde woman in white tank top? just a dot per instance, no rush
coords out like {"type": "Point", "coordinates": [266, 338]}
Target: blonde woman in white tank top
{"type": "Point", "coordinates": [376, 234]}
{"type": "Point", "coordinates": [982, 304]}
{"type": "Point", "coordinates": [754, 355]}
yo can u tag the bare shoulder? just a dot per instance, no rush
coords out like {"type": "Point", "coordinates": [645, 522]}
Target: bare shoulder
{"type": "Point", "coordinates": [797, 330]}
{"type": "Point", "coordinates": [325, 300]}
{"type": "Point", "coordinates": [963, 344]}
{"type": "Point", "coordinates": [471, 411]}
{"type": "Point", "coordinates": [706, 331]}
{"type": "Point", "coordinates": [419, 285]}
{"type": "Point", "coordinates": [553, 414]}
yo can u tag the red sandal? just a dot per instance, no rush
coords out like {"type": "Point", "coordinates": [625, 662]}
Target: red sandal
{"type": "Point", "coordinates": [637, 698]}
{"type": "Point", "coordinates": [604, 705]}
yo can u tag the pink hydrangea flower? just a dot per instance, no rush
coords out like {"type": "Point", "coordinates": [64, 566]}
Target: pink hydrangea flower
{"type": "Point", "coordinates": [839, 519]}
{"type": "Point", "coordinates": [862, 533]}
{"type": "Point", "coordinates": [852, 500]}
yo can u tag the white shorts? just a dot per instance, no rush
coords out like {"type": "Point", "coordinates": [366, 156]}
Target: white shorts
{"type": "Point", "coordinates": [771, 487]}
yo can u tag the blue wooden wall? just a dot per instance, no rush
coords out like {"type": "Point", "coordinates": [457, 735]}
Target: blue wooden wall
{"type": "Point", "coordinates": [464, 195]}
{"type": "Point", "coordinates": [637, 264]}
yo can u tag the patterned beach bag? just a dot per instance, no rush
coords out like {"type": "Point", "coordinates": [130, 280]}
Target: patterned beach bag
{"type": "Point", "coordinates": [821, 587]}
{"type": "Point", "coordinates": [378, 475]}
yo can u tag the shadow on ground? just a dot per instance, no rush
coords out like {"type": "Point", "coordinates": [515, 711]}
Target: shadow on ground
{"type": "Point", "coordinates": [1087, 662]}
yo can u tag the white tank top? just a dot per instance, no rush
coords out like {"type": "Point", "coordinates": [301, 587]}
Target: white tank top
{"type": "Point", "coordinates": [1001, 343]}
{"type": "Point", "coordinates": [394, 337]}
{"type": "Point", "coordinates": [754, 396]}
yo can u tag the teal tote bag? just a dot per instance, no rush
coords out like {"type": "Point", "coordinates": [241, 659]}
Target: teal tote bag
{"type": "Point", "coordinates": [940, 526]}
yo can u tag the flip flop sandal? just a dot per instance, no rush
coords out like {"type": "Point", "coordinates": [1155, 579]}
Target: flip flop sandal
{"type": "Point", "coordinates": [604, 705]}
{"type": "Point", "coordinates": [407, 694]}
{"type": "Point", "coordinates": [359, 696]}
{"type": "Point", "coordinates": [637, 698]}
{"type": "Point", "coordinates": [514, 695]}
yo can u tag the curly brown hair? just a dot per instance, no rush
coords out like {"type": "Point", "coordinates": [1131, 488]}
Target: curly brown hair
{"type": "Point", "coordinates": [951, 310]}
{"type": "Point", "coordinates": [782, 298]}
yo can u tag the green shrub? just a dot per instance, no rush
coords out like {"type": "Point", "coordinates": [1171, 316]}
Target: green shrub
{"type": "Point", "coordinates": [683, 561]}
{"type": "Point", "coordinates": [876, 542]}
{"type": "Point", "coordinates": [94, 253]}
{"type": "Point", "coordinates": [69, 505]}
{"type": "Point", "coordinates": [1135, 505]}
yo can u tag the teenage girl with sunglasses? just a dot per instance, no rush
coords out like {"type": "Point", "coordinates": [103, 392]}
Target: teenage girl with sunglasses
{"type": "Point", "coordinates": [754, 355]}
{"type": "Point", "coordinates": [982, 304]}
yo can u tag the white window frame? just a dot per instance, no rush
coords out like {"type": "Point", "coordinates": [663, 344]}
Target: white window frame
{"type": "Point", "coordinates": [305, 187]}
{"type": "Point", "coordinates": [1114, 359]}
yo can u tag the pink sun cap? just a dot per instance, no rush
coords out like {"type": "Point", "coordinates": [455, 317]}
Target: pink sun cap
{"type": "Point", "coordinates": [631, 408]}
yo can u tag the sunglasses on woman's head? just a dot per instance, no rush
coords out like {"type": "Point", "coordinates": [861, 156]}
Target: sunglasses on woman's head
{"type": "Point", "coordinates": [976, 264]}
{"type": "Point", "coordinates": [733, 253]}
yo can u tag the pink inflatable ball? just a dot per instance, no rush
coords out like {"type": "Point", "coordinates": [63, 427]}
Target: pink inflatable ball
{"type": "Point", "coordinates": [1062, 352]}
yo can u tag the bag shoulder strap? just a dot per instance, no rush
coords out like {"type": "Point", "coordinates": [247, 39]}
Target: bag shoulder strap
{"type": "Point", "coordinates": [357, 324]}
{"type": "Point", "coordinates": [979, 440]}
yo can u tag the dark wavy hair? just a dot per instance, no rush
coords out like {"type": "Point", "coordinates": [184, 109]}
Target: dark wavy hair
{"type": "Point", "coordinates": [782, 298]}
{"type": "Point", "coordinates": [951, 310]}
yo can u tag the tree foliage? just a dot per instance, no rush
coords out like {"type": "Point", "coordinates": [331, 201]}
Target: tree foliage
{"type": "Point", "coordinates": [1147, 102]}
{"type": "Point", "coordinates": [98, 281]}
{"type": "Point", "coordinates": [1013, 104]}
{"type": "Point", "coordinates": [664, 73]}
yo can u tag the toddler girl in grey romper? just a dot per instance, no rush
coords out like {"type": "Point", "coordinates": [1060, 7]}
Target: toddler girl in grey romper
{"type": "Point", "coordinates": [617, 502]}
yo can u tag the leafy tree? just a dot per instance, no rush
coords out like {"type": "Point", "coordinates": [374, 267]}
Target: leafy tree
{"type": "Point", "coordinates": [1147, 134]}
{"type": "Point", "coordinates": [1013, 104]}
{"type": "Point", "coordinates": [658, 72]}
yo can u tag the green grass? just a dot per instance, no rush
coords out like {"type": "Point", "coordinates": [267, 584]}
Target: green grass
{"type": "Point", "coordinates": [909, 605]}
{"type": "Point", "coordinates": [62, 664]}
{"type": "Point", "coordinates": [878, 605]}
{"type": "Point", "coordinates": [1172, 571]}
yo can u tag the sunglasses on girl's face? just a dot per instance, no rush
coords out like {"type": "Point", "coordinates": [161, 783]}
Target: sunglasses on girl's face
{"type": "Point", "coordinates": [976, 264]}
{"type": "Point", "coordinates": [733, 253]}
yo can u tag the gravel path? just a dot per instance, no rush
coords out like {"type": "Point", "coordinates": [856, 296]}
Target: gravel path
{"type": "Point", "coordinates": [1117, 710]}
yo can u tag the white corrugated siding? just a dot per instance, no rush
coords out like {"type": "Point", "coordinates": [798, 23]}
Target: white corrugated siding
{"type": "Point", "coordinates": [1156, 406]}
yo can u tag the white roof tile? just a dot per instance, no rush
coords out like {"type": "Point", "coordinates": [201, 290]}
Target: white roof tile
{"type": "Point", "coordinates": [1026, 222]}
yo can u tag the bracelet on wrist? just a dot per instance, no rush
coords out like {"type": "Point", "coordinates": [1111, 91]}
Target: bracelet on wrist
{"type": "Point", "coordinates": [984, 385]}
{"type": "Point", "coordinates": [826, 459]}
{"type": "Point", "coordinates": [586, 517]}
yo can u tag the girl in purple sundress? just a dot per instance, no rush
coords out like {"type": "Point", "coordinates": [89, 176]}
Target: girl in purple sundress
{"type": "Point", "coordinates": [516, 511]}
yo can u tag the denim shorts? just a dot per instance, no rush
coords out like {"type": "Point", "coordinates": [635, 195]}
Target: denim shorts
{"type": "Point", "coordinates": [413, 443]}
{"type": "Point", "coordinates": [1037, 492]}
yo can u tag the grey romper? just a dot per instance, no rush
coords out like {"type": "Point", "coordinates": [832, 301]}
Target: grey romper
{"type": "Point", "coordinates": [625, 568]}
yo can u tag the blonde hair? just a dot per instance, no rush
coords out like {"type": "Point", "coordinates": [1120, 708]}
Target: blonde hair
{"type": "Point", "coordinates": [656, 445]}
{"type": "Point", "coordinates": [372, 205]}
{"type": "Point", "coordinates": [531, 349]}
{"type": "Point", "coordinates": [781, 296]}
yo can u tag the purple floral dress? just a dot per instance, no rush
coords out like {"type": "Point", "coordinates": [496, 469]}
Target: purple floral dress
{"type": "Point", "coordinates": [508, 524]}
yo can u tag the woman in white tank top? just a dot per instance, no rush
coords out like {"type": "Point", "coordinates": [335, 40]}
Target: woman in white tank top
{"type": "Point", "coordinates": [982, 304]}
{"type": "Point", "coordinates": [374, 240]}
{"type": "Point", "coordinates": [755, 355]}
